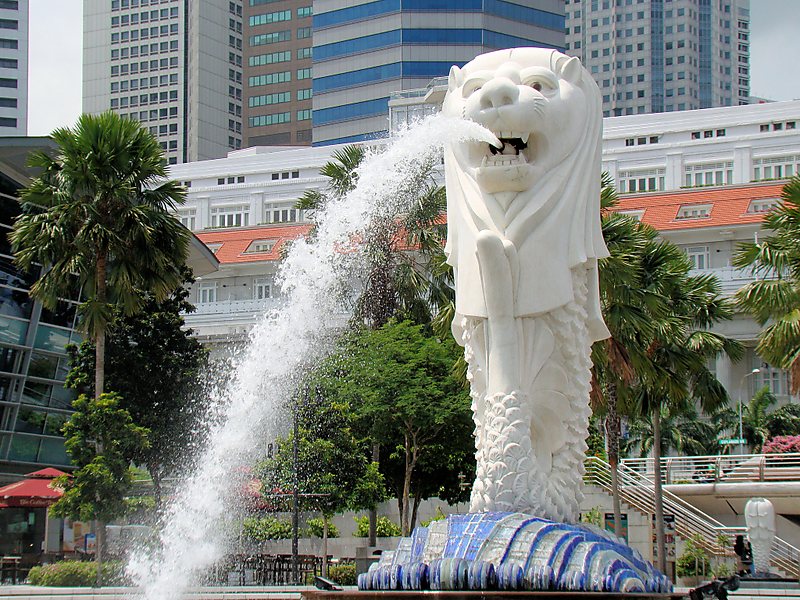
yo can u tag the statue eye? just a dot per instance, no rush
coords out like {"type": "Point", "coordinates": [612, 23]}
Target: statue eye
{"type": "Point", "coordinates": [537, 86]}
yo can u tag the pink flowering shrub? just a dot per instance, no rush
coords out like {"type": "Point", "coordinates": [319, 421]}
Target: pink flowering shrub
{"type": "Point", "coordinates": [782, 444]}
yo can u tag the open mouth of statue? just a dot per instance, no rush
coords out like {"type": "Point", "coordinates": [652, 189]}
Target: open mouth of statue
{"type": "Point", "coordinates": [510, 152]}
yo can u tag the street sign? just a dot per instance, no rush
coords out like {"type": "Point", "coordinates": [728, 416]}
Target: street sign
{"type": "Point", "coordinates": [732, 441]}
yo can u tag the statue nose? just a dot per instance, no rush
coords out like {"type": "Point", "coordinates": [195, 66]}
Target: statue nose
{"type": "Point", "coordinates": [499, 92]}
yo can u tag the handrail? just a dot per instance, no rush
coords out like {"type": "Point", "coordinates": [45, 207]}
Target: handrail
{"type": "Point", "coordinates": [637, 490]}
{"type": "Point", "coordinates": [721, 469]}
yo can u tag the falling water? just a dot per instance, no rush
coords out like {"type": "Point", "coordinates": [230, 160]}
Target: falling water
{"type": "Point", "coordinates": [193, 536]}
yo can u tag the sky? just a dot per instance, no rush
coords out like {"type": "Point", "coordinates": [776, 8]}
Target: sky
{"type": "Point", "coordinates": [54, 96]}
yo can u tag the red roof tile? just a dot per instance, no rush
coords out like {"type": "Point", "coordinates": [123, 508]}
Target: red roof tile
{"type": "Point", "coordinates": [728, 205]}
{"type": "Point", "coordinates": [235, 242]}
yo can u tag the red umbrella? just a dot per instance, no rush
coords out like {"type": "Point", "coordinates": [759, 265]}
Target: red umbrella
{"type": "Point", "coordinates": [34, 492]}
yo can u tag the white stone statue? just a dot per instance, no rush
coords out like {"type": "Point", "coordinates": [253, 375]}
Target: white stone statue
{"type": "Point", "coordinates": [759, 516]}
{"type": "Point", "coordinates": [524, 238]}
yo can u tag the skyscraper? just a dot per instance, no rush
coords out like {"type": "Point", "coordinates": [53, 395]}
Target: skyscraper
{"type": "Point", "coordinates": [13, 67]}
{"type": "Point", "coordinates": [365, 50]}
{"type": "Point", "coordinates": [663, 55]}
{"type": "Point", "coordinates": [173, 65]}
{"type": "Point", "coordinates": [277, 53]}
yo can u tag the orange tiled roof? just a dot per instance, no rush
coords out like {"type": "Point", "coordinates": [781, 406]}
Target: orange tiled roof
{"type": "Point", "coordinates": [235, 242]}
{"type": "Point", "coordinates": [729, 205]}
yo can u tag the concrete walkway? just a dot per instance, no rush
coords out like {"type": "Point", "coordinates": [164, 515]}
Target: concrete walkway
{"type": "Point", "coordinates": [21, 592]}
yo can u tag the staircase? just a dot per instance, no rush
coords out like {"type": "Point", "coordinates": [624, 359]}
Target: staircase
{"type": "Point", "coordinates": [637, 490]}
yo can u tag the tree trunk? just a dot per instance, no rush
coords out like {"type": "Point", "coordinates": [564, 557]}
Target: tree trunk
{"type": "Point", "coordinates": [100, 334]}
{"type": "Point", "coordinates": [373, 512]}
{"type": "Point", "coordinates": [659, 503]}
{"type": "Point", "coordinates": [417, 500]}
{"type": "Point", "coordinates": [612, 447]}
{"type": "Point", "coordinates": [100, 538]}
{"type": "Point", "coordinates": [324, 545]}
{"type": "Point", "coordinates": [410, 463]}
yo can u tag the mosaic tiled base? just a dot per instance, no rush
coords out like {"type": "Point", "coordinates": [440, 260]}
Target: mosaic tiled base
{"type": "Point", "coordinates": [512, 551]}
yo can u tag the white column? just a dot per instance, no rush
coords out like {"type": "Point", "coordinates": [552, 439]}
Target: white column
{"type": "Point", "coordinates": [203, 212]}
{"type": "Point", "coordinates": [674, 175]}
{"type": "Point", "coordinates": [742, 164]}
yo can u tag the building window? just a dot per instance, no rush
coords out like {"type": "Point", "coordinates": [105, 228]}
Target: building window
{"type": "Point", "coordinates": [273, 119]}
{"type": "Point", "coordinates": [763, 205]}
{"type": "Point", "coordinates": [304, 115]}
{"type": "Point", "coordinates": [273, 17]}
{"type": "Point", "coordinates": [304, 11]}
{"type": "Point", "coordinates": [646, 180]}
{"type": "Point", "coordinates": [261, 245]}
{"type": "Point", "coordinates": [282, 212]}
{"type": "Point", "coordinates": [304, 73]}
{"type": "Point", "coordinates": [207, 292]}
{"type": "Point", "coordinates": [708, 174]}
{"type": "Point", "coordinates": [778, 167]}
{"type": "Point", "coordinates": [694, 211]}
{"type": "Point", "coordinates": [230, 216]}
{"type": "Point", "coordinates": [262, 288]}
{"type": "Point", "coordinates": [188, 218]}
{"type": "Point", "coordinates": [699, 256]}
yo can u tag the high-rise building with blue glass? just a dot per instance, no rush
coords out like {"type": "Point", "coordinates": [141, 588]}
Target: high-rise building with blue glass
{"type": "Point", "coordinates": [364, 51]}
{"type": "Point", "coordinates": [663, 55]}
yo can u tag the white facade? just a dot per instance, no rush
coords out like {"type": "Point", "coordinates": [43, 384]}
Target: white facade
{"type": "Point", "coordinates": [260, 185]}
{"type": "Point", "coordinates": [174, 66]}
{"type": "Point", "coordinates": [13, 67]}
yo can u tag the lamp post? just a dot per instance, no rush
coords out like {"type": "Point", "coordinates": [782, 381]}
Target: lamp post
{"type": "Point", "coordinates": [741, 424]}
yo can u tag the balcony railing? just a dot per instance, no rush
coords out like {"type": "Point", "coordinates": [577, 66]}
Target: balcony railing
{"type": "Point", "coordinates": [228, 307]}
{"type": "Point", "coordinates": [731, 279]}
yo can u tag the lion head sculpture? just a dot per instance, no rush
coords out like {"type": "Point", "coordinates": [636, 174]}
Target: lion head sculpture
{"type": "Point", "coordinates": [540, 189]}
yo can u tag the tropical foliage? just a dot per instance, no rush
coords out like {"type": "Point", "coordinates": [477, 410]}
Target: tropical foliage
{"type": "Point", "coordinates": [774, 297]}
{"type": "Point", "coordinates": [97, 218]}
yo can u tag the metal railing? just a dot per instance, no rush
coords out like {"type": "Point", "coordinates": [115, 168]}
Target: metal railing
{"type": "Point", "coordinates": [637, 490]}
{"type": "Point", "coordinates": [235, 306]}
{"type": "Point", "coordinates": [721, 469]}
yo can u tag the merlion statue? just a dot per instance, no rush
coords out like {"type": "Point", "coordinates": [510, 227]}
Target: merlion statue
{"type": "Point", "coordinates": [759, 516]}
{"type": "Point", "coordinates": [524, 239]}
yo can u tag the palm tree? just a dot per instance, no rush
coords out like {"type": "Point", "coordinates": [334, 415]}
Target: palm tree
{"type": "Point", "coordinates": [774, 298]}
{"type": "Point", "coordinates": [677, 373]}
{"type": "Point", "coordinates": [96, 220]}
{"type": "Point", "coordinates": [682, 430]}
{"type": "Point", "coordinates": [626, 306]}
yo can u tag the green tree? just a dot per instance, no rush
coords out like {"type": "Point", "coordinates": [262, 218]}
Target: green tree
{"type": "Point", "coordinates": [102, 440]}
{"type": "Point", "coordinates": [97, 219]}
{"type": "Point", "coordinates": [681, 430]}
{"type": "Point", "coordinates": [630, 309]}
{"type": "Point", "coordinates": [332, 473]}
{"type": "Point", "coordinates": [399, 381]}
{"type": "Point", "coordinates": [676, 375]}
{"type": "Point", "coordinates": [407, 275]}
{"type": "Point", "coordinates": [784, 421]}
{"type": "Point", "coordinates": [157, 366]}
{"type": "Point", "coordinates": [774, 297]}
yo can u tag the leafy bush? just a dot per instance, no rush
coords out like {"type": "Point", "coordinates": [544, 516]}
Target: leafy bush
{"type": "Point", "coordinates": [343, 574]}
{"type": "Point", "coordinates": [782, 444]}
{"type": "Point", "coordinates": [694, 560]}
{"type": "Point", "coordinates": [592, 516]}
{"type": "Point", "coordinates": [314, 528]}
{"type": "Point", "coordinates": [384, 527]}
{"type": "Point", "coordinates": [71, 573]}
{"type": "Point", "coordinates": [266, 528]}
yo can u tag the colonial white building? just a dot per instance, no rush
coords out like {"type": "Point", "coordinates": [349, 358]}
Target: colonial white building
{"type": "Point", "coordinates": [703, 178]}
